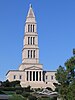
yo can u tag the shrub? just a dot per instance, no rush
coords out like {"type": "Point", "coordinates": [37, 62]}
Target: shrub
{"type": "Point", "coordinates": [37, 89]}
{"type": "Point", "coordinates": [18, 91]}
{"type": "Point", "coordinates": [7, 89]}
{"type": "Point", "coordinates": [54, 98]}
{"type": "Point", "coordinates": [5, 84]}
{"type": "Point", "coordinates": [56, 89]}
{"type": "Point", "coordinates": [27, 89]}
{"type": "Point", "coordinates": [15, 84]}
{"type": "Point", "coordinates": [10, 84]}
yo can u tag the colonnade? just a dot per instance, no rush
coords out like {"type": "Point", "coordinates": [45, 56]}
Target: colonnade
{"type": "Point", "coordinates": [34, 75]}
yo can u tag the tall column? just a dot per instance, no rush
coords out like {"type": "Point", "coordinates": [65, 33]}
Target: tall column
{"type": "Point", "coordinates": [38, 75]}
{"type": "Point", "coordinates": [41, 76]}
{"type": "Point", "coordinates": [32, 75]}
{"type": "Point", "coordinates": [28, 75]}
{"type": "Point", "coordinates": [35, 75]}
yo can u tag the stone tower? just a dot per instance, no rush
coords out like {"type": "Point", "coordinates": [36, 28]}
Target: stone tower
{"type": "Point", "coordinates": [30, 53]}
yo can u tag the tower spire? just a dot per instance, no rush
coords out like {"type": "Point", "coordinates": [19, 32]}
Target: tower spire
{"type": "Point", "coordinates": [30, 16]}
{"type": "Point", "coordinates": [31, 5]}
{"type": "Point", "coordinates": [30, 12]}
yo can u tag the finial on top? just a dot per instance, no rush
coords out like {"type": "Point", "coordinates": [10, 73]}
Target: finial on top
{"type": "Point", "coordinates": [31, 5]}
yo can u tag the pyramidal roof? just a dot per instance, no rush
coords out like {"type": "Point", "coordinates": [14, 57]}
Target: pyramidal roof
{"type": "Point", "coordinates": [30, 12]}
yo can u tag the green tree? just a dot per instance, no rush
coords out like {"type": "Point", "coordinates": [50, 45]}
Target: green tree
{"type": "Point", "coordinates": [66, 79]}
{"type": "Point", "coordinates": [6, 84]}
{"type": "Point", "coordinates": [11, 84]}
{"type": "Point", "coordinates": [15, 84]}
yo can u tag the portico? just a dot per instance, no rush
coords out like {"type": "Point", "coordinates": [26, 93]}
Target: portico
{"type": "Point", "coordinates": [32, 75]}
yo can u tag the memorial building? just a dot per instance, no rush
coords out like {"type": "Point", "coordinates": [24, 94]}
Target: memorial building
{"type": "Point", "coordinates": [31, 72]}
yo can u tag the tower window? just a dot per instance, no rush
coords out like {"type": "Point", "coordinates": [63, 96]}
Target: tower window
{"type": "Point", "coordinates": [29, 28]}
{"type": "Point", "coordinates": [33, 40]}
{"type": "Point", "coordinates": [28, 53]}
{"type": "Point", "coordinates": [28, 40]}
{"type": "Point", "coordinates": [34, 54]}
{"type": "Point", "coordinates": [33, 28]}
{"type": "Point", "coordinates": [31, 53]}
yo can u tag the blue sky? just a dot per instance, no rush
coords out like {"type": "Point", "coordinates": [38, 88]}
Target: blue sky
{"type": "Point", "coordinates": [56, 30]}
